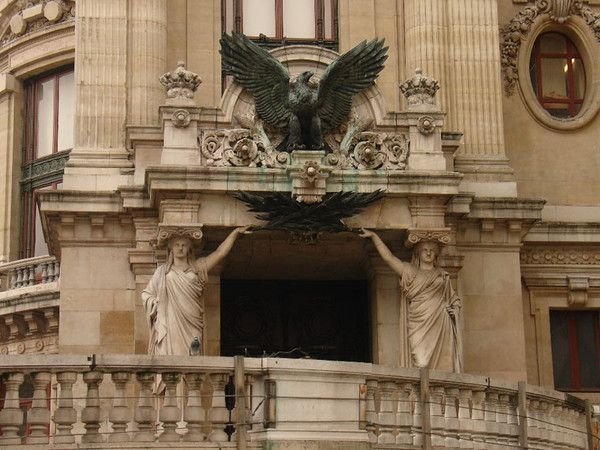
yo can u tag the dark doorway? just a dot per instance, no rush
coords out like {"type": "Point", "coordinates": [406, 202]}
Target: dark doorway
{"type": "Point", "coordinates": [320, 319]}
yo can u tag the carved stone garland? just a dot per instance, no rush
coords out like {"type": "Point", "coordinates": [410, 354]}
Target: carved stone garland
{"type": "Point", "coordinates": [516, 30]}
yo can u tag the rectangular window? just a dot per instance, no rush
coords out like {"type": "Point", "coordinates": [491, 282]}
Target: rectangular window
{"type": "Point", "coordinates": [576, 350]}
{"type": "Point", "coordinates": [49, 119]}
{"type": "Point", "coordinates": [279, 22]}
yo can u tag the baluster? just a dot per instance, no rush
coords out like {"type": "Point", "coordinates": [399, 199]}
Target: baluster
{"type": "Point", "coordinates": [478, 416]}
{"type": "Point", "coordinates": [416, 430]}
{"type": "Point", "coordinates": [44, 267]}
{"type": "Point", "coordinates": [533, 434]}
{"type": "Point", "coordinates": [50, 266]}
{"type": "Point", "coordinates": [371, 411]}
{"type": "Point", "coordinates": [30, 275]}
{"type": "Point", "coordinates": [145, 415]}
{"type": "Point", "coordinates": [513, 426]}
{"type": "Point", "coordinates": [39, 416]}
{"type": "Point", "coordinates": [119, 414]}
{"type": "Point", "coordinates": [90, 415]}
{"type": "Point", "coordinates": [19, 282]}
{"type": "Point", "coordinates": [13, 278]}
{"type": "Point", "coordinates": [56, 270]}
{"type": "Point", "coordinates": [194, 414]}
{"type": "Point", "coordinates": [502, 419]}
{"type": "Point", "coordinates": [218, 412]}
{"type": "Point", "coordinates": [465, 424]}
{"type": "Point", "coordinates": [404, 417]}
{"type": "Point", "coordinates": [65, 415]}
{"type": "Point", "coordinates": [170, 413]}
{"type": "Point", "coordinates": [438, 423]}
{"type": "Point", "coordinates": [451, 417]}
{"type": "Point", "coordinates": [386, 417]}
{"type": "Point", "coordinates": [491, 416]}
{"type": "Point", "coordinates": [11, 416]}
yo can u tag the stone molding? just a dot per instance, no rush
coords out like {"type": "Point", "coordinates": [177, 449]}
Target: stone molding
{"type": "Point", "coordinates": [30, 16]}
{"type": "Point", "coordinates": [549, 255]}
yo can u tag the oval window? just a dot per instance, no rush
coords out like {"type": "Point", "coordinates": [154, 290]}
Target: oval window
{"type": "Point", "coordinates": [557, 75]}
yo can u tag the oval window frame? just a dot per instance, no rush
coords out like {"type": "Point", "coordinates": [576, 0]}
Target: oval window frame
{"type": "Point", "coordinates": [578, 32]}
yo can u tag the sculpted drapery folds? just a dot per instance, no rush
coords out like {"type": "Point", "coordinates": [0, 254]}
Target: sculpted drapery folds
{"type": "Point", "coordinates": [173, 298]}
{"type": "Point", "coordinates": [429, 308]}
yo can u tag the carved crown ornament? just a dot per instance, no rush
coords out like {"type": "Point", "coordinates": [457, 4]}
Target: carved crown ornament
{"type": "Point", "coordinates": [27, 16]}
{"type": "Point", "coordinates": [420, 90]}
{"type": "Point", "coordinates": [514, 32]}
{"type": "Point", "coordinates": [181, 83]}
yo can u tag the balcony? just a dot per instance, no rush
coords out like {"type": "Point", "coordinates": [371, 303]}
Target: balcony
{"type": "Point", "coordinates": [107, 401]}
{"type": "Point", "coordinates": [29, 301]}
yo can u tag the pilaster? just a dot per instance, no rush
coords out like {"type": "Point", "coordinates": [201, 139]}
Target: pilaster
{"type": "Point", "coordinates": [10, 162]}
{"type": "Point", "coordinates": [147, 60]}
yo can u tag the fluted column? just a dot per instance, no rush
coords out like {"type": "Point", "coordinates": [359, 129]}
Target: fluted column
{"type": "Point", "coordinates": [147, 60]}
{"type": "Point", "coordinates": [426, 46]}
{"type": "Point", "coordinates": [101, 43]}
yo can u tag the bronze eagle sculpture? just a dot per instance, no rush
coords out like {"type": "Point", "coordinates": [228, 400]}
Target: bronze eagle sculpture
{"type": "Point", "coordinates": [299, 109]}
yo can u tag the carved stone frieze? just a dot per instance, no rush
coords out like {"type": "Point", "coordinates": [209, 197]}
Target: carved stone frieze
{"type": "Point", "coordinates": [514, 32]}
{"type": "Point", "coordinates": [560, 256]}
{"type": "Point", "coordinates": [29, 16]}
{"type": "Point", "coordinates": [29, 331]}
{"type": "Point", "coordinates": [370, 150]}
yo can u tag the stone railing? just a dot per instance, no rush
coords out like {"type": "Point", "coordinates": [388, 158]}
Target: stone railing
{"type": "Point", "coordinates": [110, 401]}
{"type": "Point", "coordinates": [29, 272]}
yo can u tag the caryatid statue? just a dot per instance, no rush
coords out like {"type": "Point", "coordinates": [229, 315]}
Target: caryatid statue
{"type": "Point", "coordinates": [430, 308]}
{"type": "Point", "coordinates": [173, 298]}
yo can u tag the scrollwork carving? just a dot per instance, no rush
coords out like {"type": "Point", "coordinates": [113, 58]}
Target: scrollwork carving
{"type": "Point", "coordinates": [168, 232]}
{"type": "Point", "coordinates": [440, 236]}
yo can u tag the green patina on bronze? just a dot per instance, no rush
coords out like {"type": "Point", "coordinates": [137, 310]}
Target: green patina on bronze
{"type": "Point", "coordinates": [304, 112]}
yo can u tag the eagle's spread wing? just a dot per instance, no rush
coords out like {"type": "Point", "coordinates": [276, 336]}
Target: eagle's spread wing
{"type": "Point", "coordinates": [352, 72]}
{"type": "Point", "coordinates": [265, 77]}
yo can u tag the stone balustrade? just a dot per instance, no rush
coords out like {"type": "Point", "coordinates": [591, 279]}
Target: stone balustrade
{"type": "Point", "coordinates": [29, 272]}
{"type": "Point", "coordinates": [111, 401]}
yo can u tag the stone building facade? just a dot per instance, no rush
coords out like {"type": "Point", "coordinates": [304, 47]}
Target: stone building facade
{"type": "Point", "coordinates": [97, 158]}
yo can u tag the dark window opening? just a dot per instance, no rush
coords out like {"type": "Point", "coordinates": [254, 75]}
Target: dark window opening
{"type": "Point", "coordinates": [576, 350]}
{"type": "Point", "coordinates": [317, 319]}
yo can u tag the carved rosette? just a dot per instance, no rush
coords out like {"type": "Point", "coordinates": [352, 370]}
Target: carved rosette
{"type": "Point", "coordinates": [181, 83]}
{"type": "Point", "coordinates": [312, 171]}
{"type": "Point", "coordinates": [193, 232]}
{"type": "Point", "coordinates": [560, 256]}
{"type": "Point", "coordinates": [514, 32]}
{"type": "Point", "coordinates": [181, 118]}
{"type": "Point", "coordinates": [372, 150]}
{"type": "Point", "coordinates": [442, 237]}
{"type": "Point", "coordinates": [420, 90]}
{"type": "Point", "coordinates": [426, 125]}
{"type": "Point", "coordinates": [238, 147]}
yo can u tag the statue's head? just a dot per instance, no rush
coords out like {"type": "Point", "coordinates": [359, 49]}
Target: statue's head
{"type": "Point", "coordinates": [426, 252]}
{"type": "Point", "coordinates": [180, 247]}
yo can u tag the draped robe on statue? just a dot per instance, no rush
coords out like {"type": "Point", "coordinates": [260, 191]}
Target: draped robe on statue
{"type": "Point", "coordinates": [431, 333]}
{"type": "Point", "coordinates": [174, 308]}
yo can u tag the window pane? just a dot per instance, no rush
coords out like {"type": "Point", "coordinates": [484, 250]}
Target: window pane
{"type": "Point", "coordinates": [229, 18]}
{"type": "Point", "coordinates": [328, 18]}
{"type": "Point", "coordinates": [554, 83]}
{"type": "Point", "coordinates": [553, 43]}
{"type": "Point", "coordinates": [587, 339]}
{"type": "Point", "coordinates": [579, 78]}
{"type": "Point", "coordinates": [259, 17]}
{"type": "Point", "coordinates": [561, 361]}
{"type": "Point", "coordinates": [44, 138]}
{"type": "Point", "coordinates": [40, 246]}
{"type": "Point", "coordinates": [66, 109]}
{"type": "Point", "coordinates": [299, 19]}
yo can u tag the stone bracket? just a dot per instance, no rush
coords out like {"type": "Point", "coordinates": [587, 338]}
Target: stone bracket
{"type": "Point", "coordinates": [578, 290]}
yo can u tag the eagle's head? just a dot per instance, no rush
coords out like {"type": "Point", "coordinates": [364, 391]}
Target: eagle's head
{"type": "Point", "coordinates": [305, 76]}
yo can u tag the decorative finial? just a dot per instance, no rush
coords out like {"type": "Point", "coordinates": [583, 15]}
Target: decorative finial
{"type": "Point", "coordinates": [181, 83]}
{"type": "Point", "coordinates": [420, 90]}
